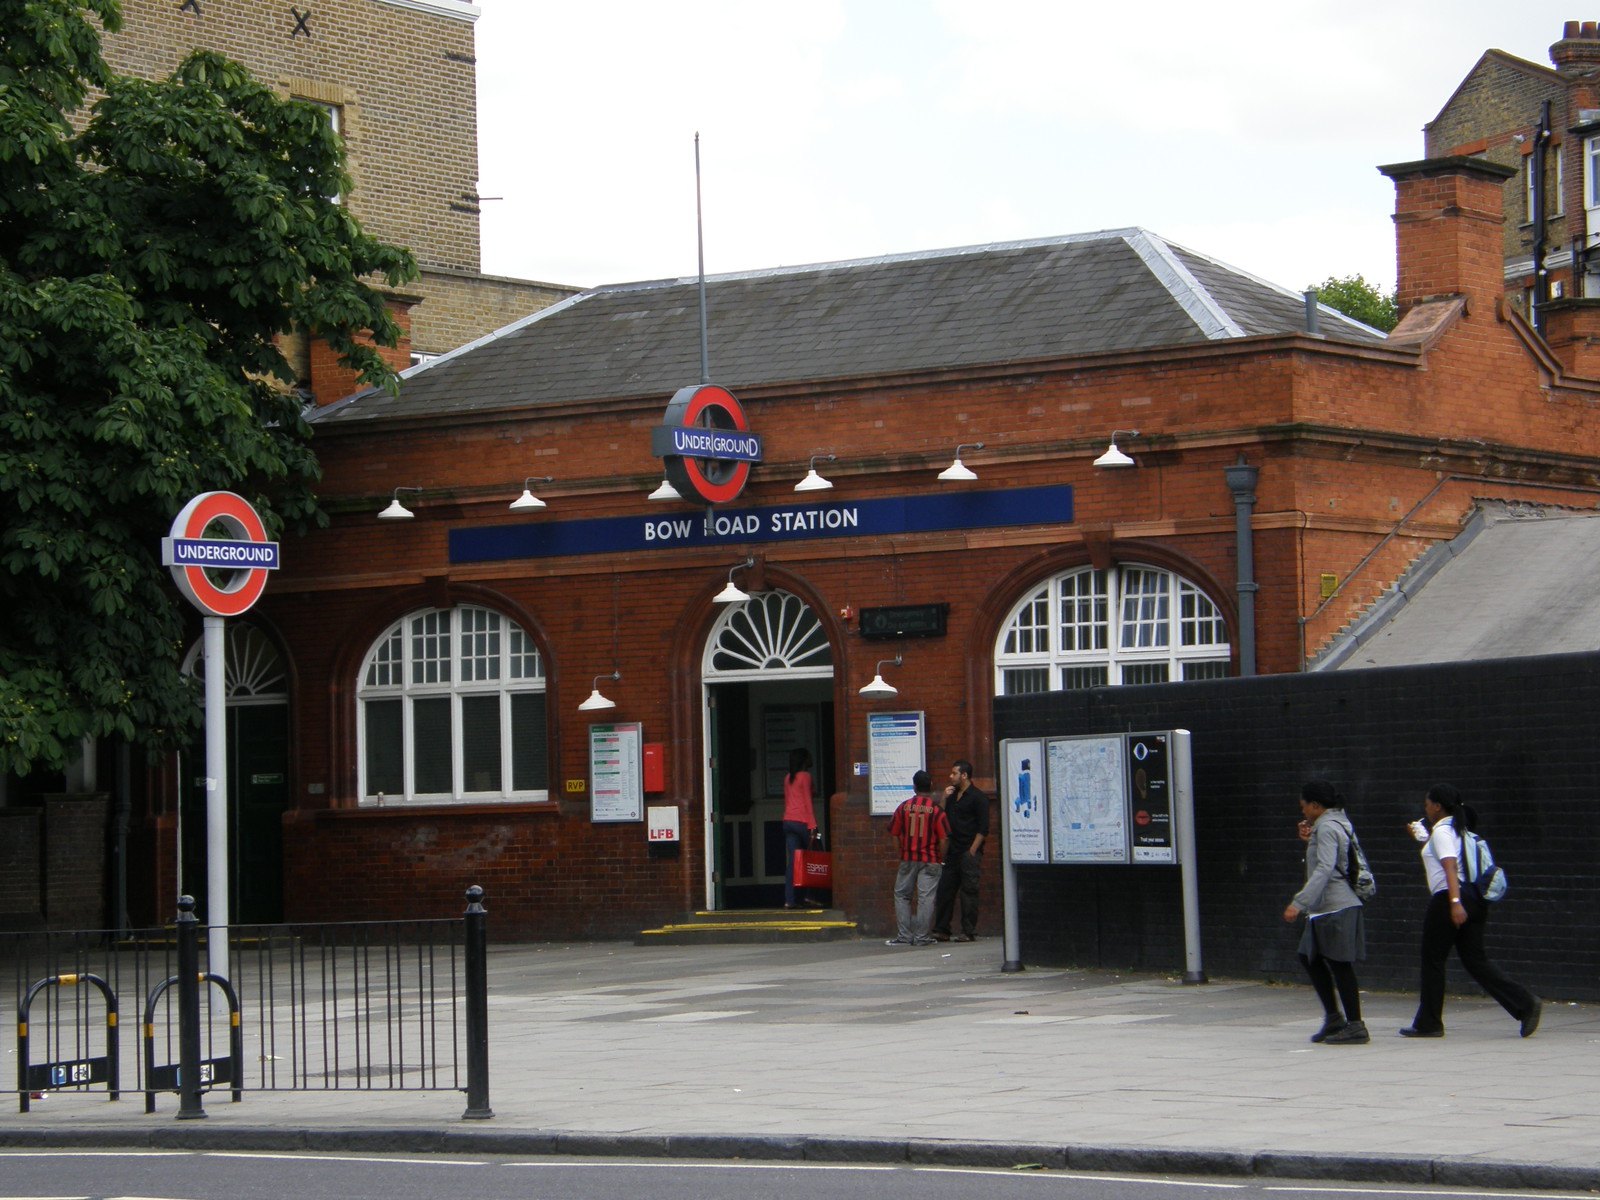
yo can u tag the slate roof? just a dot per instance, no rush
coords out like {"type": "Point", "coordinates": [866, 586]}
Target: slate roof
{"type": "Point", "coordinates": [1518, 581]}
{"type": "Point", "coordinates": [1122, 289]}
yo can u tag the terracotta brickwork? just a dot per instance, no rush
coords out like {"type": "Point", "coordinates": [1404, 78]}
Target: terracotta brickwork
{"type": "Point", "coordinates": [402, 80]}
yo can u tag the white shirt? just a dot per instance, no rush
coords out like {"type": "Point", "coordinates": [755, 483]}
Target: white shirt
{"type": "Point", "coordinates": [1442, 843]}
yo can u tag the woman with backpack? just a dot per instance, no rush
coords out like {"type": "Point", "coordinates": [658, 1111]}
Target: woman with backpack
{"type": "Point", "coordinates": [1334, 938]}
{"type": "Point", "coordinates": [1456, 917]}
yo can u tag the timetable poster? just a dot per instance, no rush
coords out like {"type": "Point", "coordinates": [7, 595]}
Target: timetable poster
{"type": "Point", "coordinates": [616, 772]}
{"type": "Point", "coordinates": [1022, 792]}
{"type": "Point", "coordinates": [895, 752]}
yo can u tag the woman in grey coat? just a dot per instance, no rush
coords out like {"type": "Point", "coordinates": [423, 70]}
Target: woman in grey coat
{"type": "Point", "coordinates": [1334, 938]}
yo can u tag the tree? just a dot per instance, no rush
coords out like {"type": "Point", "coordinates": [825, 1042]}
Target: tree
{"type": "Point", "coordinates": [1355, 297]}
{"type": "Point", "coordinates": [147, 266]}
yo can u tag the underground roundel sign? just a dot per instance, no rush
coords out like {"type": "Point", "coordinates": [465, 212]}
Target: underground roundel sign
{"type": "Point", "coordinates": [224, 573]}
{"type": "Point", "coordinates": [705, 444]}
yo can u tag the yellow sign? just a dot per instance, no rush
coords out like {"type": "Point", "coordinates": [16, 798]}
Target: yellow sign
{"type": "Point", "coordinates": [575, 785]}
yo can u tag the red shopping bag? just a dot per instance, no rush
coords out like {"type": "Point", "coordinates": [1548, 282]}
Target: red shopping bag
{"type": "Point", "coordinates": [813, 869]}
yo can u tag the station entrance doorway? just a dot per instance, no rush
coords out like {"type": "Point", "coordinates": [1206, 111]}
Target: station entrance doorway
{"type": "Point", "coordinates": [767, 677]}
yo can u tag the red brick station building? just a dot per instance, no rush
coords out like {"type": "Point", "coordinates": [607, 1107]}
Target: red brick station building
{"type": "Point", "coordinates": [406, 697]}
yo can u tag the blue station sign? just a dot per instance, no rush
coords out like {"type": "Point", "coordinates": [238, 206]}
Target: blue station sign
{"type": "Point", "coordinates": [877, 517]}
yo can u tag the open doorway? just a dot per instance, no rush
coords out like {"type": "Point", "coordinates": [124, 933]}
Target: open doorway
{"type": "Point", "coordinates": [768, 676]}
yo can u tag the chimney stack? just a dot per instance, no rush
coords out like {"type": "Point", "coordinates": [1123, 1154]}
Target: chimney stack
{"type": "Point", "coordinates": [1448, 214]}
{"type": "Point", "coordinates": [1578, 51]}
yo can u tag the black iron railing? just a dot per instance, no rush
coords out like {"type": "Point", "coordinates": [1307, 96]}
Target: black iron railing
{"type": "Point", "coordinates": [377, 1006]}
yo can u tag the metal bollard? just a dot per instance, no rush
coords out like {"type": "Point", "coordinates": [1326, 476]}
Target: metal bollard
{"type": "Point", "coordinates": [189, 1108]}
{"type": "Point", "coordinates": [477, 971]}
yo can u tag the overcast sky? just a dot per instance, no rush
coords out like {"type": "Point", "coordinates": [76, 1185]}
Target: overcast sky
{"type": "Point", "coordinates": [839, 129]}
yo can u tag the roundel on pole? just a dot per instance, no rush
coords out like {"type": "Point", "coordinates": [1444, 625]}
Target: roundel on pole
{"type": "Point", "coordinates": [222, 577]}
{"type": "Point", "coordinates": [705, 444]}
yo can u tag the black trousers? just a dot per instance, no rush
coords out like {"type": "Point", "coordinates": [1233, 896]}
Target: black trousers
{"type": "Point", "coordinates": [959, 877]}
{"type": "Point", "coordinates": [1439, 934]}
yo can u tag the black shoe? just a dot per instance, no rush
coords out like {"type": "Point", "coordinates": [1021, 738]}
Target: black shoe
{"type": "Point", "coordinates": [941, 937]}
{"type": "Point", "coordinates": [1331, 1023]}
{"type": "Point", "coordinates": [963, 937]}
{"type": "Point", "coordinates": [1354, 1033]}
{"type": "Point", "coordinates": [1413, 1031]}
{"type": "Point", "coordinates": [1530, 1023]}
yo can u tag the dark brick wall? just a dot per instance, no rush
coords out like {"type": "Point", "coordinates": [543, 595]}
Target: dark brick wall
{"type": "Point", "coordinates": [19, 867]}
{"type": "Point", "coordinates": [1513, 735]}
{"type": "Point", "coordinates": [75, 834]}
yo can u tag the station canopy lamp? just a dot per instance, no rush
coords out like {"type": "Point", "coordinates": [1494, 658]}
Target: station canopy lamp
{"type": "Point", "coordinates": [879, 688]}
{"type": "Point", "coordinates": [596, 702]}
{"type": "Point", "coordinates": [732, 593]}
{"type": "Point", "coordinates": [814, 482]}
{"type": "Point", "coordinates": [958, 470]}
{"type": "Point", "coordinates": [528, 502]}
{"type": "Point", "coordinates": [397, 511]}
{"type": "Point", "coordinates": [1114, 457]}
{"type": "Point", "coordinates": [665, 492]}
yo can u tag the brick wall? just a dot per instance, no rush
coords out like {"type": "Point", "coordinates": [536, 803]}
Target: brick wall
{"type": "Point", "coordinates": [76, 829]}
{"type": "Point", "coordinates": [21, 905]}
{"type": "Point", "coordinates": [1511, 734]}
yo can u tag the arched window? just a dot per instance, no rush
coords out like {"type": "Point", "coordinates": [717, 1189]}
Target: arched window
{"type": "Point", "coordinates": [453, 709]}
{"type": "Point", "coordinates": [1127, 624]}
{"type": "Point", "coordinates": [770, 632]}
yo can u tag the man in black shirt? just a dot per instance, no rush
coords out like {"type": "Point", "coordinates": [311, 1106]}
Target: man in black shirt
{"type": "Point", "coordinates": [968, 811]}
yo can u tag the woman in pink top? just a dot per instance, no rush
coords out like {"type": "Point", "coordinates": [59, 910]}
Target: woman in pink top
{"type": "Point", "coordinates": [799, 819]}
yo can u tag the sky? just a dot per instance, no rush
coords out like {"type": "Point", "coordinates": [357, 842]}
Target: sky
{"type": "Point", "coordinates": [842, 129]}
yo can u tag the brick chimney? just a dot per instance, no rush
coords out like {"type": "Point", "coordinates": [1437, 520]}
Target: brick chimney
{"type": "Point", "coordinates": [1578, 51]}
{"type": "Point", "coordinates": [331, 380]}
{"type": "Point", "coordinates": [1448, 214]}
{"type": "Point", "coordinates": [1572, 331]}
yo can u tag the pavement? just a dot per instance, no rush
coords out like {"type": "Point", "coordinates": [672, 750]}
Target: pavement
{"type": "Point", "coordinates": [854, 1051]}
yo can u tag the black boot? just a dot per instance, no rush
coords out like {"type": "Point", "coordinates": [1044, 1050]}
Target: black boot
{"type": "Point", "coordinates": [1331, 1023]}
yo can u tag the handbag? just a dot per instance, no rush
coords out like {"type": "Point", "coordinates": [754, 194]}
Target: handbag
{"type": "Point", "coordinates": [813, 869]}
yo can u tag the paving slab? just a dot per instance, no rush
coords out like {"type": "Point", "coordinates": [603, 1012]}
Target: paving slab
{"type": "Point", "coordinates": [860, 1052]}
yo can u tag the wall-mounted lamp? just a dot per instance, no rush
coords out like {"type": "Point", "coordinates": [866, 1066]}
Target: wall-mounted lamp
{"type": "Point", "coordinates": [397, 511]}
{"type": "Point", "coordinates": [959, 470]}
{"type": "Point", "coordinates": [732, 594]}
{"type": "Point", "coordinates": [665, 492]}
{"type": "Point", "coordinates": [814, 482]}
{"type": "Point", "coordinates": [596, 702]}
{"type": "Point", "coordinates": [528, 502]}
{"type": "Point", "coordinates": [1114, 457]}
{"type": "Point", "coordinates": [879, 689]}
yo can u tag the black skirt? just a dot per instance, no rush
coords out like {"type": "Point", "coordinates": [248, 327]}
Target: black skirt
{"type": "Point", "coordinates": [1340, 936]}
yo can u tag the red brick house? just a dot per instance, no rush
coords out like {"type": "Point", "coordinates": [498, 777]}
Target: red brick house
{"type": "Point", "coordinates": [434, 667]}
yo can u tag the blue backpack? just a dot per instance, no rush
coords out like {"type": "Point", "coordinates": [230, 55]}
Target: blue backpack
{"type": "Point", "coordinates": [1478, 869]}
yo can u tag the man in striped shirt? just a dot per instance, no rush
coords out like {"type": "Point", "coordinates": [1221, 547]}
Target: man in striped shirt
{"type": "Point", "coordinates": [924, 832]}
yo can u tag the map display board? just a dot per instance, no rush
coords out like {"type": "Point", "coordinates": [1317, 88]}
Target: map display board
{"type": "Point", "coordinates": [1022, 792]}
{"type": "Point", "coordinates": [1088, 800]}
{"type": "Point", "coordinates": [1150, 798]}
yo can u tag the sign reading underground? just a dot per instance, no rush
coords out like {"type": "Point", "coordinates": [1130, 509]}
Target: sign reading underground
{"type": "Point", "coordinates": [705, 444]}
{"type": "Point", "coordinates": [221, 576]}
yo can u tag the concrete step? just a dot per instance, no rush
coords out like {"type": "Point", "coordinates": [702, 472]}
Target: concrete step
{"type": "Point", "coordinates": [748, 925]}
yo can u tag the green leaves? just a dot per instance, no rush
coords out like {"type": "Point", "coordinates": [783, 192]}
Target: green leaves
{"type": "Point", "coordinates": [147, 268]}
{"type": "Point", "coordinates": [1355, 297]}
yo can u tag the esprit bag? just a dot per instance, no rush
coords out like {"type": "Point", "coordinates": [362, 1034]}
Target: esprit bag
{"type": "Point", "coordinates": [1479, 871]}
{"type": "Point", "coordinates": [1357, 873]}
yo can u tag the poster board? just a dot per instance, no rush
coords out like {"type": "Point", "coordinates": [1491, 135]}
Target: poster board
{"type": "Point", "coordinates": [616, 772]}
{"type": "Point", "coordinates": [1022, 784]}
{"type": "Point", "coordinates": [1150, 798]}
{"type": "Point", "coordinates": [1088, 799]}
{"type": "Point", "coordinates": [783, 728]}
{"type": "Point", "coordinates": [896, 750]}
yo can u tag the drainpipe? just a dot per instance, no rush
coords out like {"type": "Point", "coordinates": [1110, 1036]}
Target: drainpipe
{"type": "Point", "coordinates": [1241, 479]}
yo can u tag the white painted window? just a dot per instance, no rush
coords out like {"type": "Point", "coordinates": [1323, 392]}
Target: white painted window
{"type": "Point", "coordinates": [452, 710]}
{"type": "Point", "coordinates": [1554, 201]}
{"type": "Point", "coordinates": [1591, 172]}
{"type": "Point", "coordinates": [1128, 624]}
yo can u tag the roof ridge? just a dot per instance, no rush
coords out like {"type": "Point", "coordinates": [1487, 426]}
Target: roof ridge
{"type": "Point", "coordinates": [1201, 306]}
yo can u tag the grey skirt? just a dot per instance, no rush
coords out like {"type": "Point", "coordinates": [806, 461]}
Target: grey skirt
{"type": "Point", "coordinates": [1340, 936]}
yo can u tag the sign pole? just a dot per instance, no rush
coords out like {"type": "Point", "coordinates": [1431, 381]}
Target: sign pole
{"type": "Point", "coordinates": [1012, 960]}
{"type": "Point", "coordinates": [1188, 864]}
{"type": "Point", "coordinates": [216, 798]}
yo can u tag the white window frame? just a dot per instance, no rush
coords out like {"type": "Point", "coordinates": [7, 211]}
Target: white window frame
{"type": "Point", "coordinates": [502, 661]}
{"type": "Point", "coordinates": [1129, 616]}
{"type": "Point", "coordinates": [1591, 172]}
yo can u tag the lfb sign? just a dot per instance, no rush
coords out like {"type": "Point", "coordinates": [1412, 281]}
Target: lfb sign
{"type": "Point", "coordinates": [221, 576]}
{"type": "Point", "coordinates": [705, 444]}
